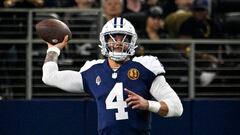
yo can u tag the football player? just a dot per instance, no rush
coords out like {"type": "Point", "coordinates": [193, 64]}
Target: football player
{"type": "Point", "coordinates": [126, 90]}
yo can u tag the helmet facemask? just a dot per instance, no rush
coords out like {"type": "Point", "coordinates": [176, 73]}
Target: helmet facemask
{"type": "Point", "coordinates": [118, 50]}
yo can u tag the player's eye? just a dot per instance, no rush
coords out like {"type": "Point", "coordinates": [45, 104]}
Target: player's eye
{"type": "Point", "coordinates": [127, 39]}
{"type": "Point", "coordinates": [108, 38]}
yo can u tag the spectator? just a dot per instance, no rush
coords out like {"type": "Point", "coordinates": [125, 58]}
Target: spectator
{"type": "Point", "coordinates": [23, 3]}
{"type": "Point", "coordinates": [154, 28]}
{"type": "Point", "coordinates": [84, 4]}
{"type": "Point", "coordinates": [173, 22]}
{"type": "Point", "coordinates": [171, 6]}
{"type": "Point", "coordinates": [183, 4]}
{"type": "Point", "coordinates": [133, 11]}
{"type": "Point", "coordinates": [133, 6]}
{"type": "Point", "coordinates": [151, 3]}
{"type": "Point", "coordinates": [112, 8]}
{"type": "Point", "coordinates": [199, 26]}
{"type": "Point", "coordinates": [175, 13]}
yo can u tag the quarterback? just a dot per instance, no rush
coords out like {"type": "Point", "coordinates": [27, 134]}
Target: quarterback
{"type": "Point", "coordinates": [126, 89]}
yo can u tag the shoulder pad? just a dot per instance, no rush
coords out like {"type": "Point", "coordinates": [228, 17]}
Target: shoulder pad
{"type": "Point", "coordinates": [151, 63]}
{"type": "Point", "coordinates": [89, 64]}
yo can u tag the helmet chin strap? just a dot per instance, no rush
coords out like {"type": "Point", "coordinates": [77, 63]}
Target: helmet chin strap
{"type": "Point", "coordinates": [118, 56]}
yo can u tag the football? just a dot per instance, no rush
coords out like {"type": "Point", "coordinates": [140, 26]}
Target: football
{"type": "Point", "coordinates": [53, 30]}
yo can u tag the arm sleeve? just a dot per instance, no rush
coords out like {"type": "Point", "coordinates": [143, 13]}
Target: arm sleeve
{"type": "Point", "coordinates": [162, 91]}
{"type": "Point", "coordinates": [67, 80]}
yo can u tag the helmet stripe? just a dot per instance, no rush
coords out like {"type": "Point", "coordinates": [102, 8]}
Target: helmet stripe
{"type": "Point", "coordinates": [115, 22]}
{"type": "Point", "coordinates": [121, 23]}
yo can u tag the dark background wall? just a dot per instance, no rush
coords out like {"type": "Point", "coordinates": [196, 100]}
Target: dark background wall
{"type": "Point", "coordinates": [71, 117]}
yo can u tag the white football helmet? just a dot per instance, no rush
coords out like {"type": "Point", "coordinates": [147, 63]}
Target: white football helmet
{"type": "Point", "coordinates": [118, 26]}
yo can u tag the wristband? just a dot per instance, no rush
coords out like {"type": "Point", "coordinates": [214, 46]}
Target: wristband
{"type": "Point", "coordinates": [153, 106]}
{"type": "Point", "coordinates": [54, 49]}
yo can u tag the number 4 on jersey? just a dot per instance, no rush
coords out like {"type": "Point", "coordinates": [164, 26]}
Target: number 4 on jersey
{"type": "Point", "coordinates": [119, 104]}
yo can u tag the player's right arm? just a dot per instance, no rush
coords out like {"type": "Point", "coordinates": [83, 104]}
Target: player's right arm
{"type": "Point", "coordinates": [67, 80]}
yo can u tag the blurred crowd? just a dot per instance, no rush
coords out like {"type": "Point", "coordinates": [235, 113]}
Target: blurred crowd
{"type": "Point", "coordinates": [162, 18]}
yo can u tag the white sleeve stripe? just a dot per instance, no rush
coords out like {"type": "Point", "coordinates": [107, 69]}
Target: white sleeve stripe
{"type": "Point", "coordinates": [67, 80]}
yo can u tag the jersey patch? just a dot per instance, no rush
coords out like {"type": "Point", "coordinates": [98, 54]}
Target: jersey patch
{"type": "Point", "coordinates": [133, 74]}
{"type": "Point", "coordinates": [98, 80]}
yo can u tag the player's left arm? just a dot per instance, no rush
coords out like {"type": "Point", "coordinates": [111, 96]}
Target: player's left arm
{"type": "Point", "coordinates": [168, 103]}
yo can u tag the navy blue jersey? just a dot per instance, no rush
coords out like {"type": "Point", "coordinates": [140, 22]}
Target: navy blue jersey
{"type": "Point", "coordinates": [107, 88]}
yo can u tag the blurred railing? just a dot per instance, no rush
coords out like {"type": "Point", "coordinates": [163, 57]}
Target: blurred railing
{"type": "Point", "coordinates": [188, 72]}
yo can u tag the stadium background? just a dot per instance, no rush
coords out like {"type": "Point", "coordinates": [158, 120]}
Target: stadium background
{"type": "Point", "coordinates": [28, 107]}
